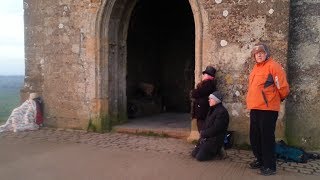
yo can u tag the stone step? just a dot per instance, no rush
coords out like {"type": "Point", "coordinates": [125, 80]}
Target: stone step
{"type": "Point", "coordinates": [174, 133]}
{"type": "Point", "coordinates": [176, 125]}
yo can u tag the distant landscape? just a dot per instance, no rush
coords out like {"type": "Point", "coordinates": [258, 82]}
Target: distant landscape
{"type": "Point", "coordinates": [9, 95]}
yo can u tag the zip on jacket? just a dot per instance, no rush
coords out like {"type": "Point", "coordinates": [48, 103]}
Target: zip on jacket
{"type": "Point", "coordinates": [267, 86]}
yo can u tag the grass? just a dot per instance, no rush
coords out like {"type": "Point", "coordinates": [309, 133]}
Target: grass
{"type": "Point", "coordinates": [148, 133]}
{"type": "Point", "coordinates": [9, 95]}
{"type": "Point", "coordinates": [243, 146]}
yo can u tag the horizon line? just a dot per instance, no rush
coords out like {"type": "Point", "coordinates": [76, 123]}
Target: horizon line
{"type": "Point", "coordinates": [12, 75]}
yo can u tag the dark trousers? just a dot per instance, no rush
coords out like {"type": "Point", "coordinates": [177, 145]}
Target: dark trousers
{"type": "Point", "coordinates": [205, 150]}
{"type": "Point", "coordinates": [262, 138]}
{"type": "Point", "coordinates": [200, 124]}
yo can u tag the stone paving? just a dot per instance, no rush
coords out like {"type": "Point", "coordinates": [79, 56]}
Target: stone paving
{"type": "Point", "coordinates": [145, 144]}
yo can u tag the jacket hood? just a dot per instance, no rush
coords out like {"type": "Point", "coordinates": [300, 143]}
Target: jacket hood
{"type": "Point", "coordinates": [260, 47]}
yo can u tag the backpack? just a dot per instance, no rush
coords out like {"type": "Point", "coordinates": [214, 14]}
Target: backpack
{"type": "Point", "coordinates": [228, 140]}
{"type": "Point", "coordinates": [292, 154]}
{"type": "Point", "coordinates": [39, 114]}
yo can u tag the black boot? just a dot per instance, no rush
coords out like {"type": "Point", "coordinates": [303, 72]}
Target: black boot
{"type": "Point", "coordinates": [267, 171]}
{"type": "Point", "coordinates": [255, 164]}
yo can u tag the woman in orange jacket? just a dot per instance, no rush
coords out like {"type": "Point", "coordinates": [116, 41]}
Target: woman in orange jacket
{"type": "Point", "coordinates": [268, 86]}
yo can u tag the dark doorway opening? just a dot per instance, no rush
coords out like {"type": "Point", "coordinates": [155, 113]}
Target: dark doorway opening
{"type": "Point", "coordinates": [160, 57]}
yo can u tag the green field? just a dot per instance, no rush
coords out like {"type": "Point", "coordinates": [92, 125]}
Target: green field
{"type": "Point", "coordinates": [9, 95]}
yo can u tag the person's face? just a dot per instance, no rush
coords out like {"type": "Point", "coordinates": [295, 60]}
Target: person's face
{"type": "Point", "coordinates": [212, 102]}
{"type": "Point", "coordinates": [260, 56]}
{"type": "Point", "coordinates": [205, 76]}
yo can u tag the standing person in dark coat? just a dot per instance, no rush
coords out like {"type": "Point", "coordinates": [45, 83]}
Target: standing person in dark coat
{"type": "Point", "coordinates": [213, 133]}
{"type": "Point", "coordinates": [200, 94]}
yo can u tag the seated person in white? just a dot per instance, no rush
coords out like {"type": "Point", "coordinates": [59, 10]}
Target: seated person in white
{"type": "Point", "coordinates": [28, 116]}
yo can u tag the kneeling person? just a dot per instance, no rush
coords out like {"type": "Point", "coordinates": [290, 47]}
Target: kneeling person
{"type": "Point", "coordinates": [212, 135]}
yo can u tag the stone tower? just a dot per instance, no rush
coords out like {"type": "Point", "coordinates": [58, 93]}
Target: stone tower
{"type": "Point", "coordinates": [79, 54]}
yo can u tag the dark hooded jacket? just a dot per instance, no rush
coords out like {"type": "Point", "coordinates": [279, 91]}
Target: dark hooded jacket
{"type": "Point", "coordinates": [216, 125]}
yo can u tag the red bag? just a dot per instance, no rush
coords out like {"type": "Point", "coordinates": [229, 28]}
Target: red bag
{"type": "Point", "coordinates": [39, 115]}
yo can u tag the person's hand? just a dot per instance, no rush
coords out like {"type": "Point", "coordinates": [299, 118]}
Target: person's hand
{"type": "Point", "coordinates": [202, 140]}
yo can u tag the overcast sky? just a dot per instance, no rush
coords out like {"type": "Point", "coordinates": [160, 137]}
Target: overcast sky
{"type": "Point", "coordinates": [11, 37]}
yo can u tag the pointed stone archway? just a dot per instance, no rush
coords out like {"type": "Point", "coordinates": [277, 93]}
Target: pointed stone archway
{"type": "Point", "coordinates": [112, 29]}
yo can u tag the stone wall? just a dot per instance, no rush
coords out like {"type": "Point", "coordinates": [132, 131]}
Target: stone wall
{"type": "Point", "coordinates": [303, 105]}
{"type": "Point", "coordinates": [66, 42]}
{"type": "Point", "coordinates": [60, 58]}
{"type": "Point", "coordinates": [231, 28]}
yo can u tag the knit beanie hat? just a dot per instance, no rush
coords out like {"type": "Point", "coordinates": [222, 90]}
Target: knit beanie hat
{"type": "Point", "coordinates": [217, 96]}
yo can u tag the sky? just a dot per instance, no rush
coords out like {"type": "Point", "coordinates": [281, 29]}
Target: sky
{"type": "Point", "coordinates": [11, 37]}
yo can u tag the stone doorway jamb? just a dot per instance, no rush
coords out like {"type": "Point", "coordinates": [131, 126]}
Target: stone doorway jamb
{"type": "Point", "coordinates": [111, 58]}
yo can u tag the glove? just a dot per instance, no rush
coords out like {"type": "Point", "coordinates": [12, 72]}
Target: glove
{"type": "Point", "coordinates": [202, 140]}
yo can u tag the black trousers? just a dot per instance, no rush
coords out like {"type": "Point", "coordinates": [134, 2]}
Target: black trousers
{"type": "Point", "coordinates": [200, 124]}
{"type": "Point", "coordinates": [262, 138]}
{"type": "Point", "coordinates": [206, 149]}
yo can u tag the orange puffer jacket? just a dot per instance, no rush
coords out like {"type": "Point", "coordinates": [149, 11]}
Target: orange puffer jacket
{"type": "Point", "coordinates": [268, 86]}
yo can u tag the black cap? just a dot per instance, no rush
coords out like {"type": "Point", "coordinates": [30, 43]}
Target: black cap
{"type": "Point", "coordinates": [210, 71]}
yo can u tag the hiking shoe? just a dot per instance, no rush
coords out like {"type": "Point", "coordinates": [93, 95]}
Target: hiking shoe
{"type": "Point", "coordinates": [222, 154]}
{"type": "Point", "coordinates": [255, 164]}
{"type": "Point", "coordinates": [267, 171]}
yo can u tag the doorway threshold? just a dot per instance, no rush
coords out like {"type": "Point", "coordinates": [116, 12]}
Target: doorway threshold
{"type": "Point", "coordinates": [176, 125]}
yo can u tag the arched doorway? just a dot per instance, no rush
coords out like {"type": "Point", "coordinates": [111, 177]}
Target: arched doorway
{"type": "Point", "coordinates": [112, 66]}
{"type": "Point", "coordinates": [160, 57]}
